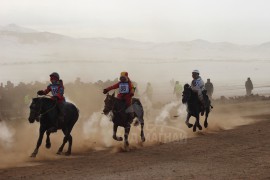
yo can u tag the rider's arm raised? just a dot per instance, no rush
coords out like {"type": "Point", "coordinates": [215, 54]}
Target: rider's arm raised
{"type": "Point", "coordinates": [113, 87]}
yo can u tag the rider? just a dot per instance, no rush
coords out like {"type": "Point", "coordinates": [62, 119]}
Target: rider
{"type": "Point", "coordinates": [57, 89]}
{"type": "Point", "coordinates": [126, 90]}
{"type": "Point", "coordinates": [197, 85]}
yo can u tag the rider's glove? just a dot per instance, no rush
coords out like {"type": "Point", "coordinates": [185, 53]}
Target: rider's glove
{"type": "Point", "coordinates": [105, 91]}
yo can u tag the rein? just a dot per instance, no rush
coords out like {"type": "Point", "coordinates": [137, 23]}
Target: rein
{"type": "Point", "coordinates": [48, 109]}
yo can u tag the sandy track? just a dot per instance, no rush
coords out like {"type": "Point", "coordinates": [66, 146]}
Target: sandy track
{"type": "Point", "coordinates": [243, 152]}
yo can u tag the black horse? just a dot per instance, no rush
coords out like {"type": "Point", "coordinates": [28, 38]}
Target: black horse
{"type": "Point", "coordinates": [194, 107]}
{"type": "Point", "coordinates": [121, 116]}
{"type": "Point", "coordinates": [44, 110]}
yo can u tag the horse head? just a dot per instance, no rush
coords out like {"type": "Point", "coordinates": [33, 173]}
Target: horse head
{"type": "Point", "coordinates": [186, 93]}
{"type": "Point", "coordinates": [109, 103]}
{"type": "Point", "coordinates": [35, 110]}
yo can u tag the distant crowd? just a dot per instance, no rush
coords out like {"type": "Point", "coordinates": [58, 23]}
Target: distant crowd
{"type": "Point", "coordinates": [14, 100]}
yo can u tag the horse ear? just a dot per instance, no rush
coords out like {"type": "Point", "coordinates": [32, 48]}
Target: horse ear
{"type": "Point", "coordinates": [113, 94]}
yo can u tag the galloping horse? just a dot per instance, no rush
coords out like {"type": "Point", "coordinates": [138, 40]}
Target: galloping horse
{"type": "Point", "coordinates": [121, 118]}
{"type": "Point", "coordinates": [194, 108]}
{"type": "Point", "coordinates": [44, 110]}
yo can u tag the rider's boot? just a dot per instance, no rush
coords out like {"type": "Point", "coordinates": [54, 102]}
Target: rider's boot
{"type": "Point", "coordinates": [60, 119]}
{"type": "Point", "coordinates": [202, 107]}
{"type": "Point", "coordinates": [55, 125]}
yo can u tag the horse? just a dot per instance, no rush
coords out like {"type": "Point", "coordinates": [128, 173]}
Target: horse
{"type": "Point", "coordinates": [44, 110]}
{"type": "Point", "coordinates": [194, 107]}
{"type": "Point", "coordinates": [122, 118]}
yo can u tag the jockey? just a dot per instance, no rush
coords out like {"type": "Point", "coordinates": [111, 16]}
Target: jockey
{"type": "Point", "coordinates": [126, 90]}
{"type": "Point", "coordinates": [197, 85]}
{"type": "Point", "coordinates": [57, 89]}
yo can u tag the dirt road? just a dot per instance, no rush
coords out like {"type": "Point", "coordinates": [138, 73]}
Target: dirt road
{"type": "Point", "coordinates": [239, 153]}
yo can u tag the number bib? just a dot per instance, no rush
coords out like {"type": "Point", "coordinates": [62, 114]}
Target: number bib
{"type": "Point", "coordinates": [54, 90]}
{"type": "Point", "coordinates": [123, 88]}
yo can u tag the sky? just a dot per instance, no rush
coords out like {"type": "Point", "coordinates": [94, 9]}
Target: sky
{"type": "Point", "coordinates": [236, 21]}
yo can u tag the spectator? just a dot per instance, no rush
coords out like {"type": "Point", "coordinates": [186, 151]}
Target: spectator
{"type": "Point", "coordinates": [209, 88]}
{"type": "Point", "coordinates": [177, 90]}
{"type": "Point", "coordinates": [249, 86]}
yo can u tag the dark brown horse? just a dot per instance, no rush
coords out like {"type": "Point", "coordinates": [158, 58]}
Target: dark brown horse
{"type": "Point", "coordinates": [194, 107]}
{"type": "Point", "coordinates": [121, 116]}
{"type": "Point", "coordinates": [44, 110]}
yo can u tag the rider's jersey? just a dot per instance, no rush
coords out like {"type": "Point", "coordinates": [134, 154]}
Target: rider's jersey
{"type": "Point", "coordinates": [57, 89]}
{"type": "Point", "coordinates": [124, 88]}
{"type": "Point", "coordinates": [197, 85]}
{"type": "Point", "coordinates": [126, 91]}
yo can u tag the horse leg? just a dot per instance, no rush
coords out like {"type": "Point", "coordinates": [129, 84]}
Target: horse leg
{"type": "Point", "coordinates": [69, 145]}
{"type": "Point", "coordinates": [41, 133]}
{"type": "Point", "coordinates": [48, 141]}
{"type": "Point", "coordinates": [126, 143]}
{"type": "Point", "coordinates": [142, 133]}
{"type": "Point", "coordinates": [114, 133]}
{"type": "Point", "coordinates": [205, 121]}
{"type": "Point", "coordinates": [198, 122]}
{"type": "Point", "coordinates": [187, 121]}
{"type": "Point", "coordinates": [65, 139]}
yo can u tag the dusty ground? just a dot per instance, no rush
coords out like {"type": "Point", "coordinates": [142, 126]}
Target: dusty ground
{"type": "Point", "coordinates": [225, 151]}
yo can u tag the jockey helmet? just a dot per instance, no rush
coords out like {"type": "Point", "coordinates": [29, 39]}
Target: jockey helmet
{"type": "Point", "coordinates": [55, 74]}
{"type": "Point", "coordinates": [125, 74]}
{"type": "Point", "coordinates": [196, 71]}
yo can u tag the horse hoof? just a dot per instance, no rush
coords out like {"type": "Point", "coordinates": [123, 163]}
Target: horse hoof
{"type": "Point", "coordinates": [189, 125]}
{"type": "Point", "coordinates": [143, 139]}
{"type": "Point", "coordinates": [48, 145]}
{"type": "Point", "coordinates": [200, 127]}
{"type": "Point", "coordinates": [59, 153]}
{"type": "Point", "coordinates": [67, 153]}
{"type": "Point", "coordinates": [194, 128]}
{"type": "Point", "coordinates": [33, 155]}
{"type": "Point", "coordinates": [205, 125]}
{"type": "Point", "coordinates": [117, 138]}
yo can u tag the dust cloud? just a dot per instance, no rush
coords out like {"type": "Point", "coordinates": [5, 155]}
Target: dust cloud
{"type": "Point", "coordinates": [164, 113]}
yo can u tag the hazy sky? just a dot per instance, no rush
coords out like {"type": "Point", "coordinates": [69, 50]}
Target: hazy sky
{"type": "Point", "coordinates": [237, 21]}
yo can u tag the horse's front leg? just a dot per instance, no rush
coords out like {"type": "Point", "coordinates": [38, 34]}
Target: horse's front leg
{"type": "Point", "coordinates": [187, 121]}
{"type": "Point", "coordinates": [48, 141]}
{"type": "Point", "coordinates": [197, 124]}
{"type": "Point", "coordinates": [126, 143]}
{"type": "Point", "coordinates": [142, 133]}
{"type": "Point", "coordinates": [41, 133]}
{"type": "Point", "coordinates": [114, 133]}
{"type": "Point", "coordinates": [206, 117]}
